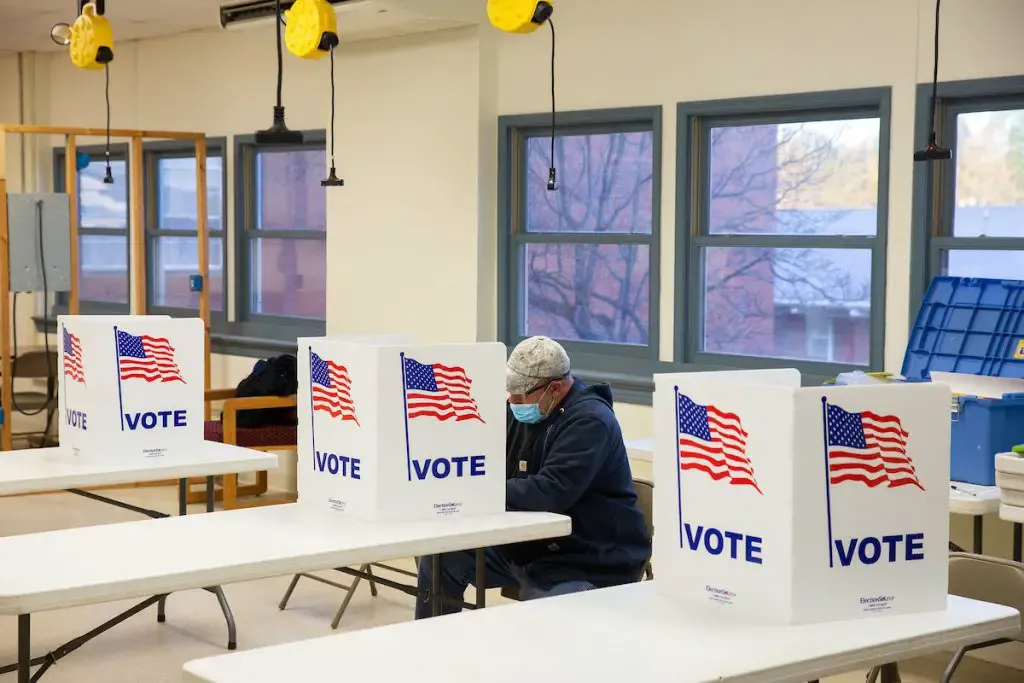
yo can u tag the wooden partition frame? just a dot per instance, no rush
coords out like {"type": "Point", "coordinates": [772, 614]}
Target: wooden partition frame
{"type": "Point", "coordinates": [137, 238]}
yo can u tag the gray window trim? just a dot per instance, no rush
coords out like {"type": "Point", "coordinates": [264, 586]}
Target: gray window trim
{"type": "Point", "coordinates": [693, 122]}
{"type": "Point", "coordinates": [152, 153]}
{"type": "Point", "coordinates": [272, 332]}
{"type": "Point", "coordinates": [934, 191]}
{"type": "Point", "coordinates": [118, 152]}
{"type": "Point", "coordinates": [626, 367]}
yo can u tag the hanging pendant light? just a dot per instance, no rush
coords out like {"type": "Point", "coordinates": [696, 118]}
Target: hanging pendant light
{"type": "Point", "coordinates": [934, 152]}
{"type": "Point", "coordinates": [279, 133]}
{"type": "Point", "coordinates": [526, 16]}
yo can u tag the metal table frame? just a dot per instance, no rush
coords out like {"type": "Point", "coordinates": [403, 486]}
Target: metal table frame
{"type": "Point", "coordinates": [26, 661]}
{"type": "Point", "coordinates": [432, 594]}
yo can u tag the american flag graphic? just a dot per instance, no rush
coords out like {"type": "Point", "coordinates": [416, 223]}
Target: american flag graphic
{"type": "Point", "coordinates": [73, 357]}
{"type": "Point", "coordinates": [439, 391]}
{"type": "Point", "coordinates": [714, 442]}
{"type": "Point", "coordinates": [868, 448]}
{"type": "Point", "coordinates": [148, 358]}
{"type": "Point", "coordinates": [331, 388]}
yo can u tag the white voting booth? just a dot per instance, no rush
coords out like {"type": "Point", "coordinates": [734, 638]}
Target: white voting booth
{"type": "Point", "coordinates": [392, 431]}
{"type": "Point", "coordinates": [132, 380]}
{"type": "Point", "coordinates": [799, 505]}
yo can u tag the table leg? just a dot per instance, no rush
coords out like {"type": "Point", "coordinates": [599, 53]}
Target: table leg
{"type": "Point", "coordinates": [229, 617]}
{"type": "Point", "coordinates": [890, 673]}
{"type": "Point", "coordinates": [435, 585]}
{"type": "Point", "coordinates": [182, 496]}
{"type": "Point", "coordinates": [24, 648]}
{"type": "Point", "coordinates": [1017, 533]}
{"type": "Point", "coordinates": [161, 610]}
{"type": "Point", "coordinates": [481, 578]}
{"type": "Point", "coordinates": [210, 494]}
{"type": "Point", "coordinates": [978, 531]}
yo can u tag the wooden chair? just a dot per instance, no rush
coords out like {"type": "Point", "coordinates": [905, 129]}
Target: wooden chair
{"type": "Point", "coordinates": [645, 501]}
{"type": "Point", "coordinates": [226, 430]}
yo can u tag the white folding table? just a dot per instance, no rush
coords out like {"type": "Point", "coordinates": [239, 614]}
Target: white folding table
{"type": "Point", "coordinates": [39, 470]}
{"type": "Point", "coordinates": [617, 634]}
{"type": "Point", "coordinates": [161, 556]}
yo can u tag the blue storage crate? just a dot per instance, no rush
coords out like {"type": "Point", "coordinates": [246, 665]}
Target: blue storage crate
{"type": "Point", "coordinates": [973, 326]}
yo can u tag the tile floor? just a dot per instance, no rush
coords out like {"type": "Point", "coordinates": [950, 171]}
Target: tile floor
{"type": "Point", "coordinates": [142, 650]}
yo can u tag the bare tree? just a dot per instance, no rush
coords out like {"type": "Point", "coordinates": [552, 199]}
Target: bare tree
{"type": "Point", "coordinates": [585, 290]}
{"type": "Point", "coordinates": [760, 178]}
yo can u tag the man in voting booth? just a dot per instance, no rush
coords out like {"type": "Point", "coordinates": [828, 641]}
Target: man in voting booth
{"type": "Point", "coordinates": [565, 455]}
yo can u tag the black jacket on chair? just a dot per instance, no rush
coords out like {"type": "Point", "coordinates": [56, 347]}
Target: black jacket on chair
{"type": "Point", "coordinates": [574, 463]}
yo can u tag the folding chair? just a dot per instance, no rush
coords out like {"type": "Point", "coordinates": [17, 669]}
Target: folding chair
{"type": "Point", "coordinates": [989, 579]}
{"type": "Point", "coordinates": [645, 501]}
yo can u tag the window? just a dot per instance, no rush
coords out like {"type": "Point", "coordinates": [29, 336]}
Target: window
{"type": "Point", "coordinates": [172, 229]}
{"type": "Point", "coordinates": [969, 211]}
{"type": "Point", "coordinates": [580, 263]}
{"type": "Point", "coordinates": [783, 232]}
{"type": "Point", "coordinates": [282, 260]}
{"type": "Point", "coordinates": [103, 229]}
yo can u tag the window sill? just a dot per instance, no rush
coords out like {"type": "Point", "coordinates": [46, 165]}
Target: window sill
{"type": "Point", "coordinates": [637, 388]}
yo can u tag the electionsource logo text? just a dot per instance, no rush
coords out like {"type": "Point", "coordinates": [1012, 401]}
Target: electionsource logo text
{"type": "Point", "coordinates": [720, 595]}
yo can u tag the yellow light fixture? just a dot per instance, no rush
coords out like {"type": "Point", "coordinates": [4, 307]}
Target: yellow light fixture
{"type": "Point", "coordinates": [311, 28]}
{"type": "Point", "coordinates": [526, 16]}
{"type": "Point", "coordinates": [91, 43]}
{"type": "Point", "coordinates": [518, 16]}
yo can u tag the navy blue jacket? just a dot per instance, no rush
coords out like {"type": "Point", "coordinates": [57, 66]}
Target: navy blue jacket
{"type": "Point", "coordinates": [574, 463]}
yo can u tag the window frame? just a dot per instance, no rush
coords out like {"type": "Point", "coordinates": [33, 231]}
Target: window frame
{"type": "Point", "coordinates": [934, 188]}
{"type": "Point", "coordinates": [152, 153]}
{"type": "Point", "coordinates": [118, 152]}
{"type": "Point", "coordinates": [624, 365]}
{"type": "Point", "coordinates": [694, 123]}
{"type": "Point", "coordinates": [247, 325]}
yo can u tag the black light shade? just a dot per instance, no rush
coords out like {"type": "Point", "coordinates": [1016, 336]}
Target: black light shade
{"type": "Point", "coordinates": [332, 180]}
{"type": "Point", "coordinates": [278, 133]}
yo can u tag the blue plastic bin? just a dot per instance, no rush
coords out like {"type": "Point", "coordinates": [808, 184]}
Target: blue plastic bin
{"type": "Point", "coordinates": [973, 326]}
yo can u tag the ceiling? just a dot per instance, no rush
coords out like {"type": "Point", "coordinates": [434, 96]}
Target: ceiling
{"type": "Point", "coordinates": [25, 24]}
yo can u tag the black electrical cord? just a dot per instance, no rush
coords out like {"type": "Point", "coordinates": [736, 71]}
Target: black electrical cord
{"type": "Point", "coordinates": [935, 76]}
{"type": "Point", "coordinates": [332, 107]}
{"type": "Point", "coordinates": [109, 177]}
{"type": "Point", "coordinates": [50, 379]}
{"type": "Point", "coordinates": [280, 53]}
{"type": "Point", "coordinates": [552, 174]}
{"type": "Point", "coordinates": [933, 152]}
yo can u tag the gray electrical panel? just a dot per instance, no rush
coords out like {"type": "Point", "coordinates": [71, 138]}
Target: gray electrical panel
{"type": "Point", "coordinates": [27, 214]}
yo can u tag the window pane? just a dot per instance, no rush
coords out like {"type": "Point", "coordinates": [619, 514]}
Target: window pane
{"type": "Point", "coordinates": [288, 191]}
{"type": "Point", "coordinates": [605, 183]}
{"type": "Point", "coordinates": [176, 193]}
{"type": "Point", "coordinates": [1007, 265]}
{"type": "Point", "coordinates": [174, 260]}
{"type": "Point", "coordinates": [810, 178]}
{"type": "Point", "coordinates": [101, 205]}
{"type": "Point", "coordinates": [989, 174]}
{"type": "Point", "coordinates": [805, 304]}
{"type": "Point", "coordinates": [587, 292]}
{"type": "Point", "coordinates": [289, 277]}
{"type": "Point", "coordinates": [103, 270]}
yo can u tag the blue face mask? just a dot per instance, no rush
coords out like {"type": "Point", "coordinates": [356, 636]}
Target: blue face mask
{"type": "Point", "coordinates": [527, 413]}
